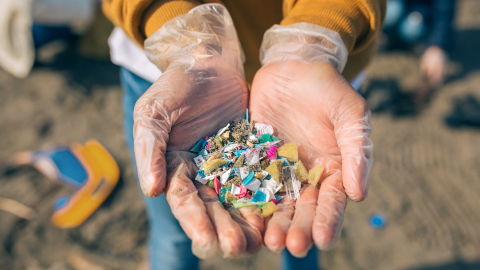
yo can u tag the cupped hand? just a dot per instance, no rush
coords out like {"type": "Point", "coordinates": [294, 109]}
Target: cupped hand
{"type": "Point", "coordinates": [201, 90]}
{"type": "Point", "coordinates": [314, 106]}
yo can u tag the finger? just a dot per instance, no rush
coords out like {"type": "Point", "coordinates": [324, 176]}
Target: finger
{"type": "Point", "coordinates": [252, 234]}
{"type": "Point", "coordinates": [332, 200]}
{"type": "Point", "coordinates": [299, 237]}
{"type": "Point", "coordinates": [190, 211]}
{"type": "Point", "coordinates": [352, 130]}
{"type": "Point", "coordinates": [150, 133]}
{"type": "Point", "coordinates": [231, 238]}
{"type": "Point", "coordinates": [253, 215]}
{"type": "Point", "coordinates": [276, 227]}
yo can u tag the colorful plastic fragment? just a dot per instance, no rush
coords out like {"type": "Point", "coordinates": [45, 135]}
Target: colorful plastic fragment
{"type": "Point", "coordinates": [209, 166]}
{"type": "Point", "coordinates": [269, 209]}
{"type": "Point", "coordinates": [290, 182]}
{"type": "Point", "coordinates": [275, 170]}
{"type": "Point", "coordinates": [272, 152]}
{"type": "Point", "coordinates": [259, 196]}
{"type": "Point", "coordinates": [289, 151]}
{"type": "Point", "coordinates": [246, 167]}
{"type": "Point", "coordinates": [314, 175]}
{"type": "Point", "coordinates": [301, 172]}
{"type": "Point", "coordinates": [217, 184]}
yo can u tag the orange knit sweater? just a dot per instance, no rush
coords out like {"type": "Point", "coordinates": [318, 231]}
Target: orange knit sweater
{"type": "Point", "coordinates": [357, 21]}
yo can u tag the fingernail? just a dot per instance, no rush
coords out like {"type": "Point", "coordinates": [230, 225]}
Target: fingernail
{"type": "Point", "coordinates": [278, 249]}
{"type": "Point", "coordinates": [301, 255]}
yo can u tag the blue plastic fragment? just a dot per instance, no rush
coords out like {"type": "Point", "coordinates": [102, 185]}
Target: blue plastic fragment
{"type": "Point", "coordinates": [258, 146]}
{"type": "Point", "coordinates": [237, 172]}
{"type": "Point", "coordinates": [239, 152]}
{"type": "Point", "coordinates": [203, 153]}
{"type": "Point", "coordinates": [222, 192]}
{"type": "Point", "coordinates": [258, 196]}
{"type": "Point", "coordinates": [202, 173]}
{"type": "Point", "coordinates": [278, 198]}
{"type": "Point", "coordinates": [248, 179]}
{"type": "Point", "coordinates": [378, 221]}
{"type": "Point", "coordinates": [204, 144]}
{"type": "Point", "coordinates": [285, 161]}
{"type": "Point", "coordinates": [198, 146]}
{"type": "Point", "coordinates": [246, 116]}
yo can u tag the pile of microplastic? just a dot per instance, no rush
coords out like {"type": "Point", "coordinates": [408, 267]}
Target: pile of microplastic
{"type": "Point", "coordinates": [245, 166]}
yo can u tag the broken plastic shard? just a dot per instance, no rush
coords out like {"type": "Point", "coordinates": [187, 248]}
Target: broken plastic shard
{"type": "Point", "coordinates": [200, 179]}
{"type": "Point", "coordinates": [198, 146]}
{"type": "Point", "coordinates": [253, 185]}
{"type": "Point", "coordinates": [222, 130]}
{"type": "Point", "coordinates": [290, 183]}
{"type": "Point", "coordinates": [252, 156]}
{"type": "Point", "coordinates": [259, 196]}
{"type": "Point", "coordinates": [235, 189]}
{"type": "Point", "coordinates": [222, 193]}
{"type": "Point", "coordinates": [263, 128]}
{"type": "Point", "coordinates": [199, 160]}
{"type": "Point", "coordinates": [225, 176]}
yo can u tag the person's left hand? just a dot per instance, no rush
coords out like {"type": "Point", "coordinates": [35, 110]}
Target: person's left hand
{"type": "Point", "coordinates": [314, 106]}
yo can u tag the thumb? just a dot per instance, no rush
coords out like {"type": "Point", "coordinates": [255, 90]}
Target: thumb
{"type": "Point", "coordinates": [352, 130]}
{"type": "Point", "coordinates": [151, 132]}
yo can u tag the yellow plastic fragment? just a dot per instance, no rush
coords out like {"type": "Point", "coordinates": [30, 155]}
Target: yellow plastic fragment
{"type": "Point", "coordinates": [301, 172]}
{"type": "Point", "coordinates": [269, 209]}
{"type": "Point", "coordinates": [275, 171]}
{"type": "Point", "coordinates": [258, 175]}
{"type": "Point", "coordinates": [314, 175]}
{"type": "Point", "coordinates": [289, 151]}
{"type": "Point", "coordinates": [211, 165]}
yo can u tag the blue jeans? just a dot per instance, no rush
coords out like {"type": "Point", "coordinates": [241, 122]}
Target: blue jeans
{"type": "Point", "coordinates": [169, 247]}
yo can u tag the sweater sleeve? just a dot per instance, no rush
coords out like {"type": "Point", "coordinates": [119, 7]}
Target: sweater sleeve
{"type": "Point", "coordinates": [357, 21]}
{"type": "Point", "coordinates": [141, 18]}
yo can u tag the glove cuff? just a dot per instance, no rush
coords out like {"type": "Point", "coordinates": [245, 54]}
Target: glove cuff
{"type": "Point", "coordinates": [204, 33]}
{"type": "Point", "coordinates": [303, 42]}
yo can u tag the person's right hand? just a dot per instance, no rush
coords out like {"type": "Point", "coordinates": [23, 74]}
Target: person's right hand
{"type": "Point", "coordinates": [202, 89]}
{"type": "Point", "coordinates": [433, 65]}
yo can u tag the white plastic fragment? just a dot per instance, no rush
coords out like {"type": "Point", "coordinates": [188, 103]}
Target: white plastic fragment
{"type": "Point", "coordinates": [271, 185]}
{"type": "Point", "coordinates": [235, 190]}
{"type": "Point", "coordinates": [263, 128]}
{"type": "Point", "coordinates": [252, 156]}
{"type": "Point", "coordinates": [254, 185]}
{"type": "Point", "coordinates": [199, 160]}
{"type": "Point", "coordinates": [244, 172]}
{"type": "Point", "coordinates": [290, 182]}
{"type": "Point", "coordinates": [222, 130]}
{"type": "Point", "coordinates": [268, 194]}
{"type": "Point", "coordinates": [201, 180]}
{"type": "Point", "coordinates": [231, 147]}
{"type": "Point", "coordinates": [225, 175]}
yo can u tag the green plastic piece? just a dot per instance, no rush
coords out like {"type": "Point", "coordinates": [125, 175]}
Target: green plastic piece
{"type": "Point", "coordinates": [244, 204]}
{"type": "Point", "coordinates": [211, 184]}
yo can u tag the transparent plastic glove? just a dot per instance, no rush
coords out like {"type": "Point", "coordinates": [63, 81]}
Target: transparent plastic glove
{"type": "Point", "coordinates": [202, 88]}
{"type": "Point", "coordinates": [310, 102]}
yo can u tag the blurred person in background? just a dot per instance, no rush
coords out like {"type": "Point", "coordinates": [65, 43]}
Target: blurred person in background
{"type": "Point", "coordinates": [194, 82]}
{"type": "Point", "coordinates": [27, 25]}
{"type": "Point", "coordinates": [424, 27]}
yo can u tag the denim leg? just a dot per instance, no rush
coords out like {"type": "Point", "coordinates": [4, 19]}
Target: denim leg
{"type": "Point", "coordinates": [169, 247]}
{"type": "Point", "coordinates": [291, 263]}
